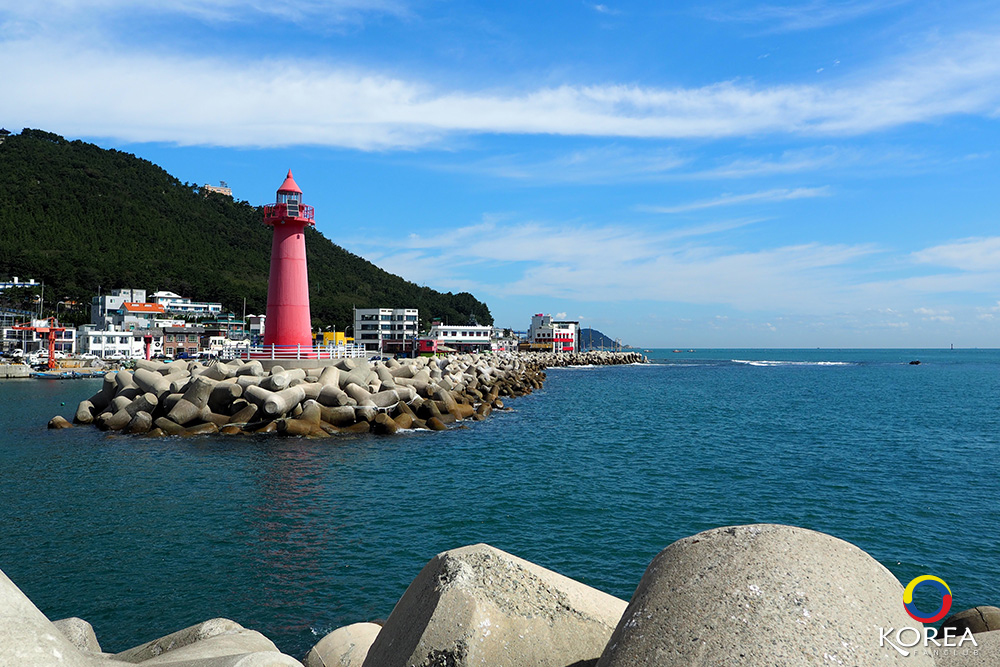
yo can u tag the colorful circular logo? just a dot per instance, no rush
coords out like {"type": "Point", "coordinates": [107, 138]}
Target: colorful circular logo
{"type": "Point", "coordinates": [934, 582]}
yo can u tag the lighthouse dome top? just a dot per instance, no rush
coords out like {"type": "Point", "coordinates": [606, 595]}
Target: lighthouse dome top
{"type": "Point", "coordinates": [290, 186]}
{"type": "Point", "coordinates": [288, 207]}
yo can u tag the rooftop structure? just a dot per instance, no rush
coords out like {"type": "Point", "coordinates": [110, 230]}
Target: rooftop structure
{"type": "Point", "coordinates": [222, 188]}
{"type": "Point", "coordinates": [175, 303]}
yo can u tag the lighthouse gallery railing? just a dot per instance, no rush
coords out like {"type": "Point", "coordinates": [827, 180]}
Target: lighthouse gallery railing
{"type": "Point", "coordinates": [296, 352]}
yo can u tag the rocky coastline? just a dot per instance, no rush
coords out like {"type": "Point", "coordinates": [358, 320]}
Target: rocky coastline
{"type": "Point", "coordinates": [348, 396]}
{"type": "Point", "coordinates": [757, 595]}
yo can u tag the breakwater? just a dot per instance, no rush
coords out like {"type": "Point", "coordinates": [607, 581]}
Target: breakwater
{"type": "Point", "coordinates": [14, 371]}
{"type": "Point", "coordinates": [756, 595]}
{"type": "Point", "coordinates": [349, 396]}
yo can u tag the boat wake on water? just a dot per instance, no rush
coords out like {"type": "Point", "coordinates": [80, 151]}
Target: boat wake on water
{"type": "Point", "coordinates": [763, 362]}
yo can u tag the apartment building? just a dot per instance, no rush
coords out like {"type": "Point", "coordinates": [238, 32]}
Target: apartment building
{"type": "Point", "coordinates": [548, 335]}
{"type": "Point", "coordinates": [389, 330]}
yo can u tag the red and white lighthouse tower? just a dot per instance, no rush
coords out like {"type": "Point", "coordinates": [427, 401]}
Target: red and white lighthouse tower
{"type": "Point", "coordinates": [288, 320]}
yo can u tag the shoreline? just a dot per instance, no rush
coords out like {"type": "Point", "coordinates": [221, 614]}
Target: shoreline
{"type": "Point", "coordinates": [346, 396]}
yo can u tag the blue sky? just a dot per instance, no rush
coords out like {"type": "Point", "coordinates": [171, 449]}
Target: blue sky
{"type": "Point", "coordinates": [702, 174]}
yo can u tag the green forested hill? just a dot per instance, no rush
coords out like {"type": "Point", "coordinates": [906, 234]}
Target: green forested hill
{"type": "Point", "coordinates": [78, 216]}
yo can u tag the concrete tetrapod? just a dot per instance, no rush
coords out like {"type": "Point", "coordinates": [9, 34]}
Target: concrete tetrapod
{"type": "Point", "coordinates": [344, 647]}
{"type": "Point", "coordinates": [218, 642]}
{"type": "Point", "coordinates": [481, 606]}
{"type": "Point", "coordinates": [978, 619]}
{"type": "Point", "coordinates": [985, 654]}
{"type": "Point", "coordinates": [29, 639]}
{"type": "Point", "coordinates": [193, 397]}
{"type": "Point", "coordinates": [762, 595]}
{"type": "Point", "coordinates": [80, 633]}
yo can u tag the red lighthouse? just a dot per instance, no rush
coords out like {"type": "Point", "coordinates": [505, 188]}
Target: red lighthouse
{"type": "Point", "coordinates": [288, 320]}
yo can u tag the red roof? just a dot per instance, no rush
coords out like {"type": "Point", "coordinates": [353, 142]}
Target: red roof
{"type": "Point", "coordinates": [140, 307]}
{"type": "Point", "coordinates": [289, 185]}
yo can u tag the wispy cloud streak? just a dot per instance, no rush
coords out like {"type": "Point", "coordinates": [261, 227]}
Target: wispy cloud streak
{"type": "Point", "coordinates": [776, 195]}
{"type": "Point", "coordinates": [615, 263]}
{"type": "Point", "coordinates": [89, 11]}
{"type": "Point", "coordinates": [806, 15]}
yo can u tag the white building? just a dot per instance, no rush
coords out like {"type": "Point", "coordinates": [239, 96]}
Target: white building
{"type": "Point", "coordinates": [137, 315]}
{"type": "Point", "coordinates": [385, 329]}
{"type": "Point", "coordinates": [103, 308]}
{"type": "Point", "coordinates": [504, 342]}
{"type": "Point", "coordinates": [175, 303]}
{"type": "Point", "coordinates": [548, 335]}
{"type": "Point", "coordinates": [255, 326]}
{"type": "Point", "coordinates": [115, 344]}
{"type": "Point", "coordinates": [465, 338]}
{"type": "Point", "coordinates": [6, 284]}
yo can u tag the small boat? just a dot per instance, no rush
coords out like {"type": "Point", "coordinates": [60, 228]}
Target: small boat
{"type": "Point", "coordinates": [66, 375]}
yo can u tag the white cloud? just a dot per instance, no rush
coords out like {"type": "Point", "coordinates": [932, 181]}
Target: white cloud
{"type": "Point", "coordinates": [780, 194]}
{"type": "Point", "coordinates": [192, 99]}
{"type": "Point", "coordinates": [615, 263]}
{"type": "Point", "coordinates": [971, 254]}
{"type": "Point", "coordinates": [90, 11]}
{"type": "Point", "coordinates": [806, 15]}
{"type": "Point", "coordinates": [932, 315]}
{"type": "Point", "coordinates": [604, 9]}
{"type": "Point", "coordinates": [818, 158]}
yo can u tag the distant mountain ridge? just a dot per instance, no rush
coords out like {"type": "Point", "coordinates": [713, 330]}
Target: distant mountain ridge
{"type": "Point", "coordinates": [592, 339]}
{"type": "Point", "coordinates": [80, 217]}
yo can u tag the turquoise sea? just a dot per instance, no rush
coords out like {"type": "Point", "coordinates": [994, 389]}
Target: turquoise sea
{"type": "Point", "coordinates": [591, 477]}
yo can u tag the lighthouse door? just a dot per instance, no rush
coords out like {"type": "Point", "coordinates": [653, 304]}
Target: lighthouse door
{"type": "Point", "coordinates": [293, 208]}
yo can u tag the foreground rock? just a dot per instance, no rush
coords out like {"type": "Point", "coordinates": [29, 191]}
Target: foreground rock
{"type": "Point", "coordinates": [80, 633]}
{"type": "Point", "coordinates": [761, 595]}
{"type": "Point", "coordinates": [977, 619]}
{"type": "Point", "coordinates": [29, 639]}
{"type": "Point", "coordinates": [986, 654]}
{"type": "Point", "coordinates": [481, 606]}
{"type": "Point", "coordinates": [350, 396]}
{"type": "Point", "coordinates": [745, 595]}
{"type": "Point", "coordinates": [344, 647]}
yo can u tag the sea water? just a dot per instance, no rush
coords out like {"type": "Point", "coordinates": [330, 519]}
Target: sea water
{"type": "Point", "coordinates": [591, 476]}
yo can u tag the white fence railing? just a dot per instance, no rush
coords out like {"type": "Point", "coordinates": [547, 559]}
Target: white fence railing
{"type": "Point", "coordinates": [294, 352]}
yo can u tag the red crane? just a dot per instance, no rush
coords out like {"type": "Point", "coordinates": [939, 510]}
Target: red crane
{"type": "Point", "coordinates": [51, 328]}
